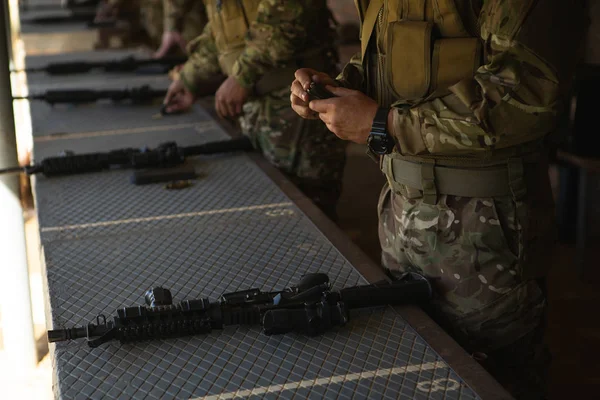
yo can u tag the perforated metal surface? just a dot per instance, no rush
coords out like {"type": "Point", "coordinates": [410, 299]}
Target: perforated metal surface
{"type": "Point", "coordinates": [97, 275]}
{"type": "Point", "coordinates": [100, 117]}
{"type": "Point", "coordinates": [99, 198]}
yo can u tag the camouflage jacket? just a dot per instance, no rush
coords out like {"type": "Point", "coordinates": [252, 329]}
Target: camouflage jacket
{"type": "Point", "coordinates": [174, 10]}
{"type": "Point", "coordinates": [276, 36]}
{"type": "Point", "coordinates": [529, 48]}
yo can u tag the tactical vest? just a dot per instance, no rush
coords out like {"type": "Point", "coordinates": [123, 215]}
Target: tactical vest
{"type": "Point", "coordinates": [436, 43]}
{"type": "Point", "coordinates": [230, 22]}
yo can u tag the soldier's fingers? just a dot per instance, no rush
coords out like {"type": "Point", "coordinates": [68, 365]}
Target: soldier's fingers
{"type": "Point", "coordinates": [174, 90]}
{"type": "Point", "coordinates": [162, 51]}
{"type": "Point", "coordinates": [320, 106]}
{"type": "Point", "coordinates": [238, 108]}
{"type": "Point", "coordinates": [304, 76]}
{"type": "Point", "coordinates": [324, 79]}
{"type": "Point", "coordinates": [229, 109]}
{"type": "Point", "coordinates": [218, 107]}
{"type": "Point", "coordinates": [298, 91]}
{"type": "Point", "coordinates": [169, 96]}
{"type": "Point", "coordinates": [296, 101]}
{"type": "Point", "coordinates": [301, 108]}
{"type": "Point", "coordinates": [176, 105]}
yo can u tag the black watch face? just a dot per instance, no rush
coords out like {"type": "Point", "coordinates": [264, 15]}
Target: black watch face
{"type": "Point", "coordinates": [378, 144]}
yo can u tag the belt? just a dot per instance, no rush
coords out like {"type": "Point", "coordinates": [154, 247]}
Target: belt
{"type": "Point", "coordinates": [494, 181]}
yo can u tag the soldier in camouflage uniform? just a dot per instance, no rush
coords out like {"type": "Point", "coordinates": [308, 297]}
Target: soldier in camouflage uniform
{"type": "Point", "coordinates": [256, 46]}
{"type": "Point", "coordinates": [164, 24]}
{"type": "Point", "coordinates": [466, 92]}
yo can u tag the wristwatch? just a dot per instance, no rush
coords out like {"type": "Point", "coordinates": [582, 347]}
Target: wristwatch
{"type": "Point", "coordinates": [380, 142]}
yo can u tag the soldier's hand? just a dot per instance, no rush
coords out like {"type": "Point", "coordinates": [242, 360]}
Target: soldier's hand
{"type": "Point", "coordinates": [349, 116]}
{"type": "Point", "coordinates": [178, 98]}
{"type": "Point", "coordinates": [299, 96]}
{"type": "Point", "coordinates": [170, 40]}
{"type": "Point", "coordinates": [230, 97]}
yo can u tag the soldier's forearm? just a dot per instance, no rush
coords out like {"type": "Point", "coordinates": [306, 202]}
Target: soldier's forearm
{"type": "Point", "coordinates": [204, 87]}
{"type": "Point", "coordinates": [273, 40]}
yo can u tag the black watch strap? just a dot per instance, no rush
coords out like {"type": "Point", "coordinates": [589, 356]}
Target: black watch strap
{"type": "Point", "coordinates": [380, 142]}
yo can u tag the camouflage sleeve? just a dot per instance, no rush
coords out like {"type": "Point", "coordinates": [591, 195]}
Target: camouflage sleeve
{"type": "Point", "coordinates": [353, 74]}
{"type": "Point", "coordinates": [203, 61]}
{"type": "Point", "coordinates": [273, 39]}
{"type": "Point", "coordinates": [512, 99]}
{"type": "Point", "coordinates": [174, 12]}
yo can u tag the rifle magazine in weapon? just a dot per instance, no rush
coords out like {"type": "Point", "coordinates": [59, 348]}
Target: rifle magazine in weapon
{"type": "Point", "coordinates": [410, 288]}
{"type": "Point", "coordinates": [311, 319]}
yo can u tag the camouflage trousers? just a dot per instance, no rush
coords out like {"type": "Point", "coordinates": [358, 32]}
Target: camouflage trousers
{"type": "Point", "coordinates": [305, 150]}
{"type": "Point", "coordinates": [476, 252]}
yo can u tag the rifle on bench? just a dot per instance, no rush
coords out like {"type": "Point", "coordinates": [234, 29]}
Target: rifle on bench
{"type": "Point", "coordinates": [166, 155]}
{"type": "Point", "coordinates": [311, 308]}
{"type": "Point", "coordinates": [65, 5]}
{"type": "Point", "coordinates": [127, 64]}
{"type": "Point", "coordinates": [139, 95]}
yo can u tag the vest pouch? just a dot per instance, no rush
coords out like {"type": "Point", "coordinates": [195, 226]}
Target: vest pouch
{"type": "Point", "coordinates": [453, 60]}
{"type": "Point", "coordinates": [229, 28]}
{"type": "Point", "coordinates": [408, 59]}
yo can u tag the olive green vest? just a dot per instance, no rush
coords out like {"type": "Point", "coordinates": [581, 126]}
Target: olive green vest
{"type": "Point", "coordinates": [230, 21]}
{"type": "Point", "coordinates": [435, 42]}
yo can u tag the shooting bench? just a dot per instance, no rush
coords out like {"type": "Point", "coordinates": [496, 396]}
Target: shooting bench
{"type": "Point", "coordinates": [241, 225]}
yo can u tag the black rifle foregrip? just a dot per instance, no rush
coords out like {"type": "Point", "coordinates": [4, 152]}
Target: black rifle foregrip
{"type": "Point", "coordinates": [81, 163]}
{"type": "Point", "coordinates": [411, 289]}
{"type": "Point", "coordinates": [68, 68]}
{"type": "Point", "coordinates": [71, 96]}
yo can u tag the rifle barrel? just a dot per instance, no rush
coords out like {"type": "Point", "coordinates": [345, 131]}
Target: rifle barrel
{"type": "Point", "coordinates": [123, 65]}
{"type": "Point", "coordinates": [411, 288]}
{"type": "Point", "coordinates": [12, 170]}
{"type": "Point", "coordinates": [136, 95]}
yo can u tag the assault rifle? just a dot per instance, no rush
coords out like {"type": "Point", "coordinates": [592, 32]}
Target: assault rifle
{"type": "Point", "coordinates": [127, 64]}
{"type": "Point", "coordinates": [79, 14]}
{"type": "Point", "coordinates": [164, 156]}
{"type": "Point", "coordinates": [309, 308]}
{"type": "Point", "coordinates": [69, 4]}
{"type": "Point", "coordinates": [138, 95]}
